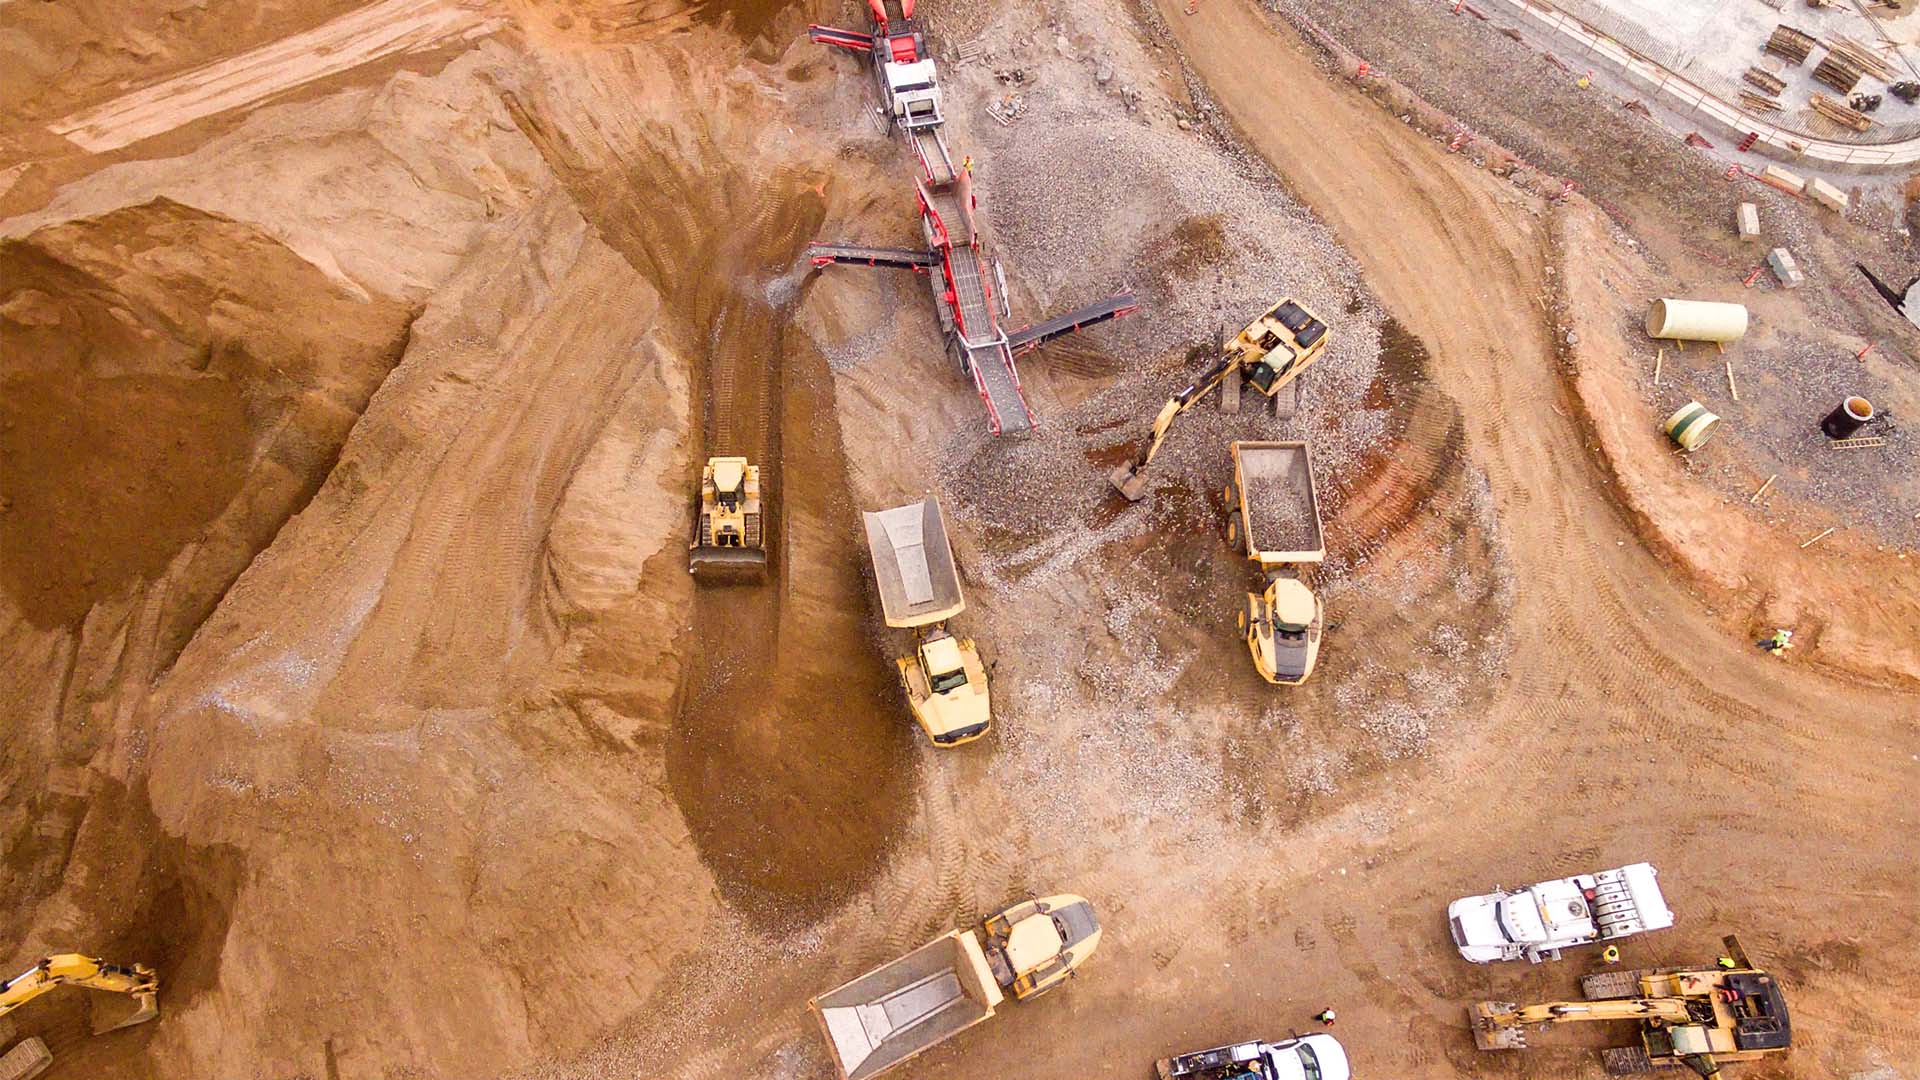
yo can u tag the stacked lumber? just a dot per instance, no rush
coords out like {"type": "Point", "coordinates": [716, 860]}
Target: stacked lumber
{"type": "Point", "coordinates": [1839, 113]}
{"type": "Point", "coordinates": [1769, 83]}
{"type": "Point", "coordinates": [1836, 71]}
{"type": "Point", "coordinates": [1862, 57]}
{"type": "Point", "coordinates": [1789, 44]}
{"type": "Point", "coordinates": [1753, 102]}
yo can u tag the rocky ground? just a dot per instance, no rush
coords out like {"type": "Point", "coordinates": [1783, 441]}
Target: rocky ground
{"type": "Point", "coordinates": [348, 432]}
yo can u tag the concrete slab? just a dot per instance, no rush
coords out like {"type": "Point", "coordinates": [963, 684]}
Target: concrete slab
{"type": "Point", "coordinates": [1827, 195]}
{"type": "Point", "coordinates": [1784, 179]}
{"type": "Point", "coordinates": [1784, 268]}
{"type": "Point", "coordinates": [1748, 221]}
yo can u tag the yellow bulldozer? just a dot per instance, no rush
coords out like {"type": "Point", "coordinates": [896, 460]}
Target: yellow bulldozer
{"type": "Point", "coordinates": [729, 531]}
{"type": "Point", "coordinates": [138, 983]}
{"type": "Point", "coordinates": [1268, 354]}
{"type": "Point", "coordinates": [1696, 1018]}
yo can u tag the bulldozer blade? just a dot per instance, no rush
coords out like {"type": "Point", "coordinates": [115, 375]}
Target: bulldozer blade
{"type": "Point", "coordinates": [1490, 1035]}
{"type": "Point", "coordinates": [1127, 481]}
{"type": "Point", "coordinates": [728, 564]}
{"type": "Point", "coordinates": [113, 1012]}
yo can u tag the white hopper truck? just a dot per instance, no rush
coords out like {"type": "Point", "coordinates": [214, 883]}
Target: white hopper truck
{"type": "Point", "coordinates": [1303, 1057]}
{"type": "Point", "coordinates": [953, 982]}
{"type": "Point", "coordinates": [945, 682]}
{"type": "Point", "coordinates": [1540, 920]}
{"type": "Point", "coordinates": [1273, 517]}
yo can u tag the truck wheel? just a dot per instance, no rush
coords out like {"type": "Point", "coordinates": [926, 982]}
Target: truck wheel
{"type": "Point", "coordinates": [1240, 620]}
{"type": "Point", "coordinates": [1234, 529]}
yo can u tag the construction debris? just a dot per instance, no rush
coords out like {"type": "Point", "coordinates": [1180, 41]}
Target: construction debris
{"type": "Point", "coordinates": [1780, 260]}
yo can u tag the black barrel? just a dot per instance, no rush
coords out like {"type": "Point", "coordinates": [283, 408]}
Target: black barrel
{"type": "Point", "coordinates": [1847, 417]}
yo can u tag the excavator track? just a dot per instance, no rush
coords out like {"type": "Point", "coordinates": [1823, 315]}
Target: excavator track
{"type": "Point", "coordinates": [1612, 985]}
{"type": "Point", "coordinates": [1628, 1061]}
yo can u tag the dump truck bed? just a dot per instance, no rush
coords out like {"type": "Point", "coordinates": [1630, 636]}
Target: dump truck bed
{"type": "Point", "coordinates": [900, 1008]}
{"type": "Point", "coordinates": [913, 564]}
{"type": "Point", "coordinates": [1279, 503]}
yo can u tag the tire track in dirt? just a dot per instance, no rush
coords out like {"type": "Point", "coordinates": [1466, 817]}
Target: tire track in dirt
{"type": "Point", "coordinates": [1621, 687]}
{"type": "Point", "coordinates": [788, 754]}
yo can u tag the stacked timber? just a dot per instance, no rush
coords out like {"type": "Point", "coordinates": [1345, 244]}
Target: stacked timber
{"type": "Point", "coordinates": [1789, 44]}
{"type": "Point", "coordinates": [1838, 113]}
{"type": "Point", "coordinates": [1753, 102]}
{"type": "Point", "coordinates": [1838, 72]}
{"type": "Point", "coordinates": [1769, 83]}
{"type": "Point", "coordinates": [1862, 57]}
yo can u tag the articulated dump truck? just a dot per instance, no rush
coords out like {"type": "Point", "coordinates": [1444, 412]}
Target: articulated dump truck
{"type": "Point", "coordinates": [1273, 517]}
{"type": "Point", "coordinates": [953, 982]}
{"type": "Point", "coordinates": [919, 584]}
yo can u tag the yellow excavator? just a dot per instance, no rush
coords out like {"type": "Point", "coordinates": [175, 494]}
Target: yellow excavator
{"type": "Point", "coordinates": [138, 982]}
{"type": "Point", "coordinates": [729, 537]}
{"type": "Point", "coordinates": [1694, 1018]}
{"type": "Point", "coordinates": [1272, 351]}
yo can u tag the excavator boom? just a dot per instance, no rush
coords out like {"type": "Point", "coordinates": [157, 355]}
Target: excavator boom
{"type": "Point", "coordinates": [74, 969]}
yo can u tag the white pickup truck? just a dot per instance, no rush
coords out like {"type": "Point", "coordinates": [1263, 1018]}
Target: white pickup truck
{"type": "Point", "coordinates": [1303, 1057]}
{"type": "Point", "coordinates": [1538, 921]}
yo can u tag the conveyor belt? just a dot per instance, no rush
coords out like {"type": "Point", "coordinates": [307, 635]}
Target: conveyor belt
{"type": "Point", "coordinates": [931, 149]}
{"type": "Point", "coordinates": [998, 381]}
{"type": "Point", "coordinates": [1031, 337]}
{"type": "Point", "coordinates": [897, 258]}
{"type": "Point", "coordinates": [977, 324]}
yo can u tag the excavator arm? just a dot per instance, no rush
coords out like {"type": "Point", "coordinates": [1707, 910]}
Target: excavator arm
{"type": "Point", "coordinates": [1127, 479]}
{"type": "Point", "coordinates": [73, 969]}
{"type": "Point", "coordinates": [1500, 1025]}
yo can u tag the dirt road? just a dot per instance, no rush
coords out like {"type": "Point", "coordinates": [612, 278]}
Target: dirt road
{"type": "Point", "coordinates": [1628, 714]}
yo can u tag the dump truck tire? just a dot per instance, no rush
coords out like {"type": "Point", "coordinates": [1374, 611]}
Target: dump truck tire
{"type": "Point", "coordinates": [1234, 528]}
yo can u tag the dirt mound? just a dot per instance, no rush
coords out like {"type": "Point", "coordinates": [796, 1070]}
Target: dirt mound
{"type": "Point", "coordinates": [155, 358]}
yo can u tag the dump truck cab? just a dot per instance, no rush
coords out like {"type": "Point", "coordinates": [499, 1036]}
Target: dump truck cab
{"type": "Point", "coordinates": [947, 689]}
{"type": "Point", "coordinates": [1034, 946]}
{"type": "Point", "coordinates": [1277, 347]}
{"type": "Point", "coordinates": [1282, 627]}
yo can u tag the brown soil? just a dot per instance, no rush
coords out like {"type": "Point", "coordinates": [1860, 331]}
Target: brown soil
{"type": "Point", "coordinates": [459, 717]}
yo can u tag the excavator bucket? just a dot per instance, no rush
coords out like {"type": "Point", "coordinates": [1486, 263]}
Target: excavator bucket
{"type": "Point", "coordinates": [1491, 1034]}
{"type": "Point", "coordinates": [1129, 481]}
{"type": "Point", "coordinates": [111, 1012]}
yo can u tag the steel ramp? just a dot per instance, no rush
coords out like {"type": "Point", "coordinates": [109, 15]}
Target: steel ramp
{"type": "Point", "coordinates": [894, 258]}
{"type": "Point", "coordinates": [1028, 338]}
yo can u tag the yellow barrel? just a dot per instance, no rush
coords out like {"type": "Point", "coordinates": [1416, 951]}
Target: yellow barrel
{"type": "Point", "coordinates": [1690, 425]}
{"type": "Point", "coordinates": [1696, 320]}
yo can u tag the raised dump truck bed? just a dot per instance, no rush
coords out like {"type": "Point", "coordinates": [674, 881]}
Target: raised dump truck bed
{"type": "Point", "coordinates": [913, 564]}
{"type": "Point", "coordinates": [900, 1008]}
{"type": "Point", "coordinates": [1277, 503]}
